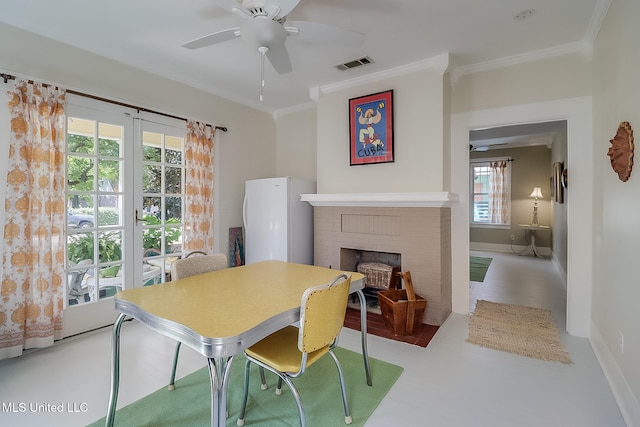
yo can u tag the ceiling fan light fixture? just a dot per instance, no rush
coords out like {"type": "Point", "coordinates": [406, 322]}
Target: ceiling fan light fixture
{"type": "Point", "coordinates": [263, 31]}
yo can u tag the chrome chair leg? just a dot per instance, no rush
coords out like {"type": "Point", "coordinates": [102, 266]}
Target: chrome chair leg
{"type": "Point", "coordinates": [296, 395]}
{"type": "Point", "coordinates": [245, 394]}
{"type": "Point", "coordinates": [172, 381]}
{"type": "Point", "coordinates": [263, 381]}
{"type": "Point", "coordinates": [345, 402]}
{"type": "Point", "coordinates": [281, 378]}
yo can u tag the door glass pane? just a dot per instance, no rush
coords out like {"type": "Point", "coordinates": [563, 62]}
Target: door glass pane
{"type": "Point", "coordinates": [173, 180]}
{"type": "Point", "coordinates": [152, 153]}
{"type": "Point", "coordinates": [174, 208]}
{"type": "Point", "coordinates": [110, 142]}
{"type": "Point", "coordinates": [152, 179]}
{"type": "Point", "coordinates": [80, 137]}
{"type": "Point", "coordinates": [80, 174]}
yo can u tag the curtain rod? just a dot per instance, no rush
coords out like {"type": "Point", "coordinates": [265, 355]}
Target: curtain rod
{"type": "Point", "coordinates": [7, 77]}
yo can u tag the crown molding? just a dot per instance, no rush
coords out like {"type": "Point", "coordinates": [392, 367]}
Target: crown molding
{"type": "Point", "coordinates": [439, 63]}
{"type": "Point", "coordinates": [582, 48]}
{"type": "Point", "coordinates": [597, 19]}
{"type": "Point", "coordinates": [294, 109]}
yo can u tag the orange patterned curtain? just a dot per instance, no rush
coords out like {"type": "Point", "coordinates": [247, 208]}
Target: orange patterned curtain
{"type": "Point", "coordinates": [32, 291]}
{"type": "Point", "coordinates": [498, 193]}
{"type": "Point", "coordinates": [198, 216]}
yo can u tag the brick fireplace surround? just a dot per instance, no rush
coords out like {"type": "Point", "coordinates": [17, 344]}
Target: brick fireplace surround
{"type": "Point", "coordinates": [415, 225]}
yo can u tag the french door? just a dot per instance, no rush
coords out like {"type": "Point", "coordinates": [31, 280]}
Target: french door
{"type": "Point", "coordinates": [124, 189]}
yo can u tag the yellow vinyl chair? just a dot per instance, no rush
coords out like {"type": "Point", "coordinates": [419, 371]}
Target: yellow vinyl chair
{"type": "Point", "coordinates": [290, 351]}
{"type": "Point", "coordinates": [190, 266]}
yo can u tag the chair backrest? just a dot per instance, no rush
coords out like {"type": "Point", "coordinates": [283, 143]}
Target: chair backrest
{"type": "Point", "coordinates": [194, 253]}
{"type": "Point", "coordinates": [191, 266]}
{"type": "Point", "coordinates": [322, 313]}
{"type": "Point", "coordinates": [75, 281]}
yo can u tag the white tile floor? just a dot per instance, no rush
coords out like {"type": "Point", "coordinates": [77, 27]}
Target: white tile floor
{"type": "Point", "coordinates": [450, 383]}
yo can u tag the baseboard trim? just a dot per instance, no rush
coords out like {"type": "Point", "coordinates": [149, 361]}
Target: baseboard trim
{"type": "Point", "coordinates": [622, 393]}
{"type": "Point", "coordinates": [498, 247]}
{"type": "Point", "coordinates": [560, 269]}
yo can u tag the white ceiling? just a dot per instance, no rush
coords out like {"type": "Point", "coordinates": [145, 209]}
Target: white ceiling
{"type": "Point", "coordinates": [148, 34]}
{"type": "Point", "coordinates": [517, 136]}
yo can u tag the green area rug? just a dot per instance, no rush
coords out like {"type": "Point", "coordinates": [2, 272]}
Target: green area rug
{"type": "Point", "coordinates": [478, 268]}
{"type": "Point", "coordinates": [190, 403]}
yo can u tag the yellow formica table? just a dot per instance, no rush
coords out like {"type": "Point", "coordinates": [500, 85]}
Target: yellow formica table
{"type": "Point", "coordinates": [221, 313]}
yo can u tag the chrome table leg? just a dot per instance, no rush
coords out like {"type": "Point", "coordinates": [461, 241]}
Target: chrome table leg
{"type": "Point", "coordinates": [363, 333]}
{"type": "Point", "coordinates": [115, 370]}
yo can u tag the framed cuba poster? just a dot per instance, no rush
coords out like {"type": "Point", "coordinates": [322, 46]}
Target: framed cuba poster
{"type": "Point", "coordinates": [371, 128]}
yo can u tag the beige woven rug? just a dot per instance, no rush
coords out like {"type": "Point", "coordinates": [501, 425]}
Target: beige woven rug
{"type": "Point", "coordinates": [526, 331]}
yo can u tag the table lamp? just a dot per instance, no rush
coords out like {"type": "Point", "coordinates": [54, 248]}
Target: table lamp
{"type": "Point", "coordinates": [536, 194]}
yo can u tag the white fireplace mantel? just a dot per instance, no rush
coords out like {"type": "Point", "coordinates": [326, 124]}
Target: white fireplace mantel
{"type": "Point", "coordinates": [410, 200]}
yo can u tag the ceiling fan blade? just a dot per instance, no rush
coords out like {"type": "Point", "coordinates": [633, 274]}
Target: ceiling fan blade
{"type": "Point", "coordinates": [228, 5]}
{"type": "Point", "coordinates": [285, 6]}
{"type": "Point", "coordinates": [316, 32]}
{"type": "Point", "coordinates": [279, 58]}
{"type": "Point", "coordinates": [219, 37]}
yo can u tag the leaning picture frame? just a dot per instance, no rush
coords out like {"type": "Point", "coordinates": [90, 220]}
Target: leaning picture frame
{"type": "Point", "coordinates": [236, 247]}
{"type": "Point", "coordinates": [371, 129]}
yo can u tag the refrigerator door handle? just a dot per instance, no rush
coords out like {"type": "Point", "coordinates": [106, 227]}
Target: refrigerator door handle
{"type": "Point", "coordinates": [244, 212]}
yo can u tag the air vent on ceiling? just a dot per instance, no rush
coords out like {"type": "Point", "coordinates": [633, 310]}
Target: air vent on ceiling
{"type": "Point", "coordinates": [355, 63]}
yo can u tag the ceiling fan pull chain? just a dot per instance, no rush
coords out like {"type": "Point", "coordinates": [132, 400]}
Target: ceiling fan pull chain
{"type": "Point", "coordinates": [263, 51]}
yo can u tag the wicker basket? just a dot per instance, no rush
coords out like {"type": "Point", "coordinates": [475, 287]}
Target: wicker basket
{"type": "Point", "coordinates": [379, 275]}
{"type": "Point", "coordinates": [402, 310]}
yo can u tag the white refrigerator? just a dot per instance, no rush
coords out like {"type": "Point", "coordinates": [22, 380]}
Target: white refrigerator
{"type": "Point", "coordinates": [277, 225]}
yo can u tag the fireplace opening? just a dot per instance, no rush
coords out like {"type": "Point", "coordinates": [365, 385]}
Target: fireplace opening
{"type": "Point", "coordinates": [379, 268]}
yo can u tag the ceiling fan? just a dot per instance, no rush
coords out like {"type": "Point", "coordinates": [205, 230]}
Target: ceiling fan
{"type": "Point", "coordinates": [266, 29]}
{"type": "Point", "coordinates": [486, 147]}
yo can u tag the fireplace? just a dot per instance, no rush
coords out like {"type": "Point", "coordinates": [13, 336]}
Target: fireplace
{"type": "Point", "coordinates": [413, 235]}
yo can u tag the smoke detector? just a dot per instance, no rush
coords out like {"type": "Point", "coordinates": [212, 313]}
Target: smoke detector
{"type": "Point", "coordinates": [524, 14]}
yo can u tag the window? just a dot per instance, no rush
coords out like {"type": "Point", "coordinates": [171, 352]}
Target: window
{"type": "Point", "coordinates": [490, 192]}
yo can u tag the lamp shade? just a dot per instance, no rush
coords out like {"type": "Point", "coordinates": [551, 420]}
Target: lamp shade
{"type": "Point", "coordinates": [536, 193]}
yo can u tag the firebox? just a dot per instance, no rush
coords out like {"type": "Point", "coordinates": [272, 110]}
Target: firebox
{"type": "Point", "coordinates": [379, 268]}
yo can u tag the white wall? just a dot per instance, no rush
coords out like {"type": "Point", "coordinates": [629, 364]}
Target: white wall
{"type": "Point", "coordinates": [296, 143]}
{"type": "Point", "coordinates": [418, 137]}
{"type": "Point", "coordinates": [246, 151]}
{"type": "Point", "coordinates": [616, 286]}
{"type": "Point", "coordinates": [557, 77]}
